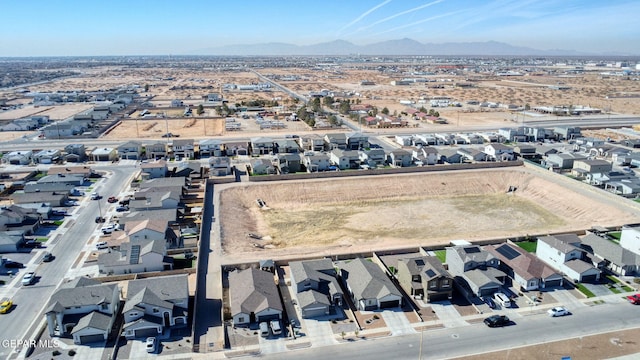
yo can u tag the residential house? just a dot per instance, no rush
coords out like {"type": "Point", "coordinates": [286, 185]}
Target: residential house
{"type": "Point", "coordinates": [288, 163]}
{"type": "Point", "coordinates": [156, 150]}
{"type": "Point", "coordinates": [315, 162]}
{"type": "Point", "coordinates": [67, 129]}
{"type": "Point", "coordinates": [476, 271]}
{"type": "Point", "coordinates": [235, 149]}
{"type": "Point", "coordinates": [472, 155]}
{"type": "Point", "coordinates": [400, 158]}
{"type": "Point", "coordinates": [369, 287]}
{"type": "Point", "coordinates": [568, 133]}
{"type": "Point", "coordinates": [71, 179]}
{"type": "Point", "coordinates": [615, 258]}
{"type": "Point", "coordinates": [404, 140]}
{"type": "Point", "coordinates": [630, 238]}
{"type": "Point", "coordinates": [316, 287]}
{"type": "Point", "coordinates": [49, 198]}
{"type": "Point", "coordinates": [75, 153]}
{"type": "Point", "coordinates": [104, 154]}
{"type": "Point", "coordinates": [253, 297]}
{"type": "Point", "coordinates": [262, 167]}
{"type": "Point", "coordinates": [156, 198]}
{"type": "Point", "coordinates": [176, 103]}
{"type": "Point", "coordinates": [154, 169]}
{"type": "Point", "coordinates": [425, 278]}
{"type": "Point", "coordinates": [135, 257]}
{"type": "Point", "coordinates": [357, 141]}
{"type": "Point", "coordinates": [84, 309]}
{"type": "Point", "coordinates": [335, 141]}
{"type": "Point", "coordinates": [563, 253]}
{"type": "Point", "coordinates": [562, 161]}
{"type": "Point", "coordinates": [425, 155]}
{"type": "Point", "coordinates": [373, 157]}
{"type": "Point", "coordinates": [499, 152]}
{"type": "Point", "coordinates": [130, 150]}
{"type": "Point", "coordinates": [285, 146]}
{"type": "Point", "coordinates": [183, 148]}
{"type": "Point", "coordinates": [155, 304]}
{"type": "Point", "coordinates": [57, 187]}
{"type": "Point", "coordinates": [47, 156]}
{"type": "Point", "coordinates": [210, 147]}
{"type": "Point", "coordinates": [587, 168]}
{"type": "Point", "coordinates": [526, 151]}
{"type": "Point", "coordinates": [449, 156]}
{"type": "Point", "coordinates": [345, 159]}
{"type": "Point", "coordinates": [220, 166]}
{"type": "Point", "coordinates": [313, 142]}
{"type": "Point", "coordinates": [261, 146]}
{"type": "Point", "coordinates": [18, 157]}
{"type": "Point", "coordinates": [526, 270]}
{"type": "Point", "coordinates": [78, 170]}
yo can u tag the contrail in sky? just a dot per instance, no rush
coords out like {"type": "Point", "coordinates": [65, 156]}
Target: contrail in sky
{"type": "Point", "coordinates": [421, 21]}
{"type": "Point", "coordinates": [399, 14]}
{"type": "Point", "coordinates": [365, 14]}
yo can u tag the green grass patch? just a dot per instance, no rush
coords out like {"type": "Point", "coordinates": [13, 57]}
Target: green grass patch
{"type": "Point", "coordinates": [528, 246]}
{"type": "Point", "coordinates": [614, 290]}
{"type": "Point", "coordinates": [636, 200]}
{"type": "Point", "coordinates": [58, 222]}
{"type": "Point", "coordinates": [613, 278]}
{"type": "Point", "coordinates": [615, 235]}
{"type": "Point", "coordinates": [585, 291]}
{"type": "Point", "coordinates": [441, 255]}
{"type": "Point", "coordinates": [627, 288]}
{"type": "Point", "coordinates": [42, 239]}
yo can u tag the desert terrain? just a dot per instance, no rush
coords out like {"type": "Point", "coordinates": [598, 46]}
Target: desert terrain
{"type": "Point", "coordinates": [361, 214]}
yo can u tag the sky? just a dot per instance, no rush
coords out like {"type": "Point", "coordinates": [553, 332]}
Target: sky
{"type": "Point", "coordinates": [162, 27]}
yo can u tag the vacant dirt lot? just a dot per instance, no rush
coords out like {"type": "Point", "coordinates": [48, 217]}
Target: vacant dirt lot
{"type": "Point", "coordinates": [373, 213]}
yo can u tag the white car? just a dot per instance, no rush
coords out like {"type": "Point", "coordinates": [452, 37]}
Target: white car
{"type": "Point", "coordinates": [101, 245]}
{"type": "Point", "coordinates": [29, 278]}
{"type": "Point", "coordinates": [558, 311]}
{"type": "Point", "coordinates": [109, 228]}
{"type": "Point", "coordinates": [150, 344]}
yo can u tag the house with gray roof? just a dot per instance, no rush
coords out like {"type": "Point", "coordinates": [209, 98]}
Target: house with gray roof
{"type": "Point", "coordinates": [476, 271]}
{"type": "Point", "coordinates": [373, 157]}
{"type": "Point", "coordinates": [564, 254]}
{"type": "Point", "coordinates": [261, 146]}
{"type": "Point", "coordinates": [18, 157]}
{"type": "Point", "coordinates": [399, 158]}
{"type": "Point", "coordinates": [130, 150]}
{"type": "Point", "coordinates": [75, 153]}
{"type": "Point", "coordinates": [253, 297]}
{"type": "Point", "coordinates": [425, 278]}
{"type": "Point", "coordinates": [335, 141]}
{"type": "Point", "coordinates": [315, 162]}
{"type": "Point", "coordinates": [156, 151]}
{"type": "Point", "coordinates": [316, 286]}
{"type": "Point", "coordinates": [449, 156]}
{"type": "Point", "coordinates": [154, 169]}
{"type": "Point", "coordinates": [155, 304]}
{"type": "Point", "coordinates": [368, 285]}
{"type": "Point", "coordinates": [183, 148]}
{"type": "Point", "coordinates": [135, 257]}
{"type": "Point", "coordinates": [617, 259]}
{"type": "Point", "coordinates": [210, 147]}
{"type": "Point", "coordinates": [47, 156]}
{"type": "Point", "coordinates": [287, 163]}
{"type": "Point", "coordinates": [71, 310]}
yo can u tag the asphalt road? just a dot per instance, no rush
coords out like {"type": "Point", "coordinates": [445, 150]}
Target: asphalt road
{"type": "Point", "coordinates": [30, 301]}
{"type": "Point", "coordinates": [477, 338]}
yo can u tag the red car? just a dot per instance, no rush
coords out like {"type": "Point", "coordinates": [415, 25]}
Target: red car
{"type": "Point", "coordinates": [634, 299]}
{"type": "Point", "coordinates": [112, 199]}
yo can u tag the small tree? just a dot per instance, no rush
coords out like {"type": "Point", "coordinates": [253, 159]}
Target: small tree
{"type": "Point", "coordinates": [146, 88]}
{"type": "Point", "coordinates": [200, 110]}
{"type": "Point", "coordinates": [343, 335]}
{"type": "Point", "coordinates": [385, 110]}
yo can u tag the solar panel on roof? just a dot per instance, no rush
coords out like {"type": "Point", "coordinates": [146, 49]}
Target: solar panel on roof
{"type": "Point", "coordinates": [419, 262]}
{"type": "Point", "coordinates": [508, 252]}
{"type": "Point", "coordinates": [430, 273]}
{"type": "Point", "coordinates": [470, 250]}
{"type": "Point", "coordinates": [134, 258]}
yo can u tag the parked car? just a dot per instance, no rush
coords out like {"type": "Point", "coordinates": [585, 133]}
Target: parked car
{"type": "Point", "coordinates": [122, 208]}
{"type": "Point", "coordinates": [634, 299]}
{"type": "Point", "coordinates": [71, 203]}
{"type": "Point", "coordinates": [112, 199]}
{"type": "Point", "coordinates": [10, 264]}
{"type": "Point", "coordinates": [32, 244]}
{"type": "Point", "coordinates": [497, 320]}
{"type": "Point", "coordinates": [109, 228]}
{"type": "Point", "coordinates": [124, 202]}
{"type": "Point", "coordinates": [59, 212]}
{"type": "Point", "coordinates": [558, 311]}
{"type": "Point", "coordinates": [101, 245]}
{"type": "Point", "coordinates": [100, 219]}
{"type": "Point", "coordinates": [5, 306]}
{"type": "Point", "coordinates": [29, 278]}
{"type": "Point", "coordinates": [150, 344]}
{"type": "Point", "coordinates": [489, 301]}
{"type": "Point", "coordinates": [275, 327]}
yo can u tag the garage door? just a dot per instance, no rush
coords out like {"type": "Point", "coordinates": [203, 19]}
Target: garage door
{"type": "Point", "coordinates": [143, 333]}
{"type": "Point", "coordinates": [268, 317]}
{"type": "Point", "coordinates": [389, 304]}
{"type": "Point", "coordinates": [589, 278]}
{"type": "Point", "coordinates": [313, 312]}
{"type": "Point", "coordinates": [86, 339]}
{"type": "Point", "coordinates": [552, 283]}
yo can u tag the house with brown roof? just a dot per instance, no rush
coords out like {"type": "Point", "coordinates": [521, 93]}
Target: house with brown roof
{"type": "Point", "coordinates": [425, 278]}
{"type": "Point", "coordinates": [527, 271]}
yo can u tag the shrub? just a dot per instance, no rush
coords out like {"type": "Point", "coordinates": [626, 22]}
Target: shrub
{"type": "Point", "coordinates": [56, 353]}
{"type": "Point", "coordinates": [72, 352]}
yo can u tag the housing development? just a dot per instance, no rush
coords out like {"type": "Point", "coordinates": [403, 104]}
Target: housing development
{"type": "Point", "coordinates": [374, 206]}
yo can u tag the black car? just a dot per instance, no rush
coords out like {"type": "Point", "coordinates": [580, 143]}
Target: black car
{"type": "Point", "coordinates": [48, 257]}
{"type": "Point", "coordinates": [122, 208]}
{"type": "Point", "coordinates": [9, 264]}
{"type": "Point", "coordinates": [32, 244]}
{"type": "Point", "coordinates": [497, 320]}
{"type": "Point", "coordinates": [100, 220]}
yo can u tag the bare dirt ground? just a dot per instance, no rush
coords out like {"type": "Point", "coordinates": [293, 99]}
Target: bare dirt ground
{"type": "Point", "coordinates": [602, 346]}
{"type": "Point", "coordinates": [380, 212]}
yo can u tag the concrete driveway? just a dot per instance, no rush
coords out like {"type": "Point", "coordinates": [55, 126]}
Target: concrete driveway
{"type": "Point", "coordinates": [448, 314]}
{"type": "Point", "coordinates": [319, 332]}
{"type": "Point", "coordinates": [397, 322]}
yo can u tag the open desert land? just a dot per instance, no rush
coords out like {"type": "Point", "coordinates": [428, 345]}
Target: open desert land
{"type": "Point", "coordinates": [335, 216]}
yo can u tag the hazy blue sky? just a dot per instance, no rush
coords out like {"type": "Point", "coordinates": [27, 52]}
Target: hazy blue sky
{"type": "Point", "coordinates": [136, 27]}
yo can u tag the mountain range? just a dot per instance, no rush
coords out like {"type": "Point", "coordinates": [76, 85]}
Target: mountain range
{"type": "Point", "coordinates": [391, 47]}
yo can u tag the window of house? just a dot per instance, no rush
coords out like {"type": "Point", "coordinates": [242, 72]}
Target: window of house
{"type": "Point", "coordinates": [433, 284]}
{"type": "Point", "coordinates": [307, 284]}
{"type": "Point", "coordinates": [241, 319]}
{"type": "Point", "coordinates": [445, 282]}
{"type": "Point", "coordinates": [155, 310]}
